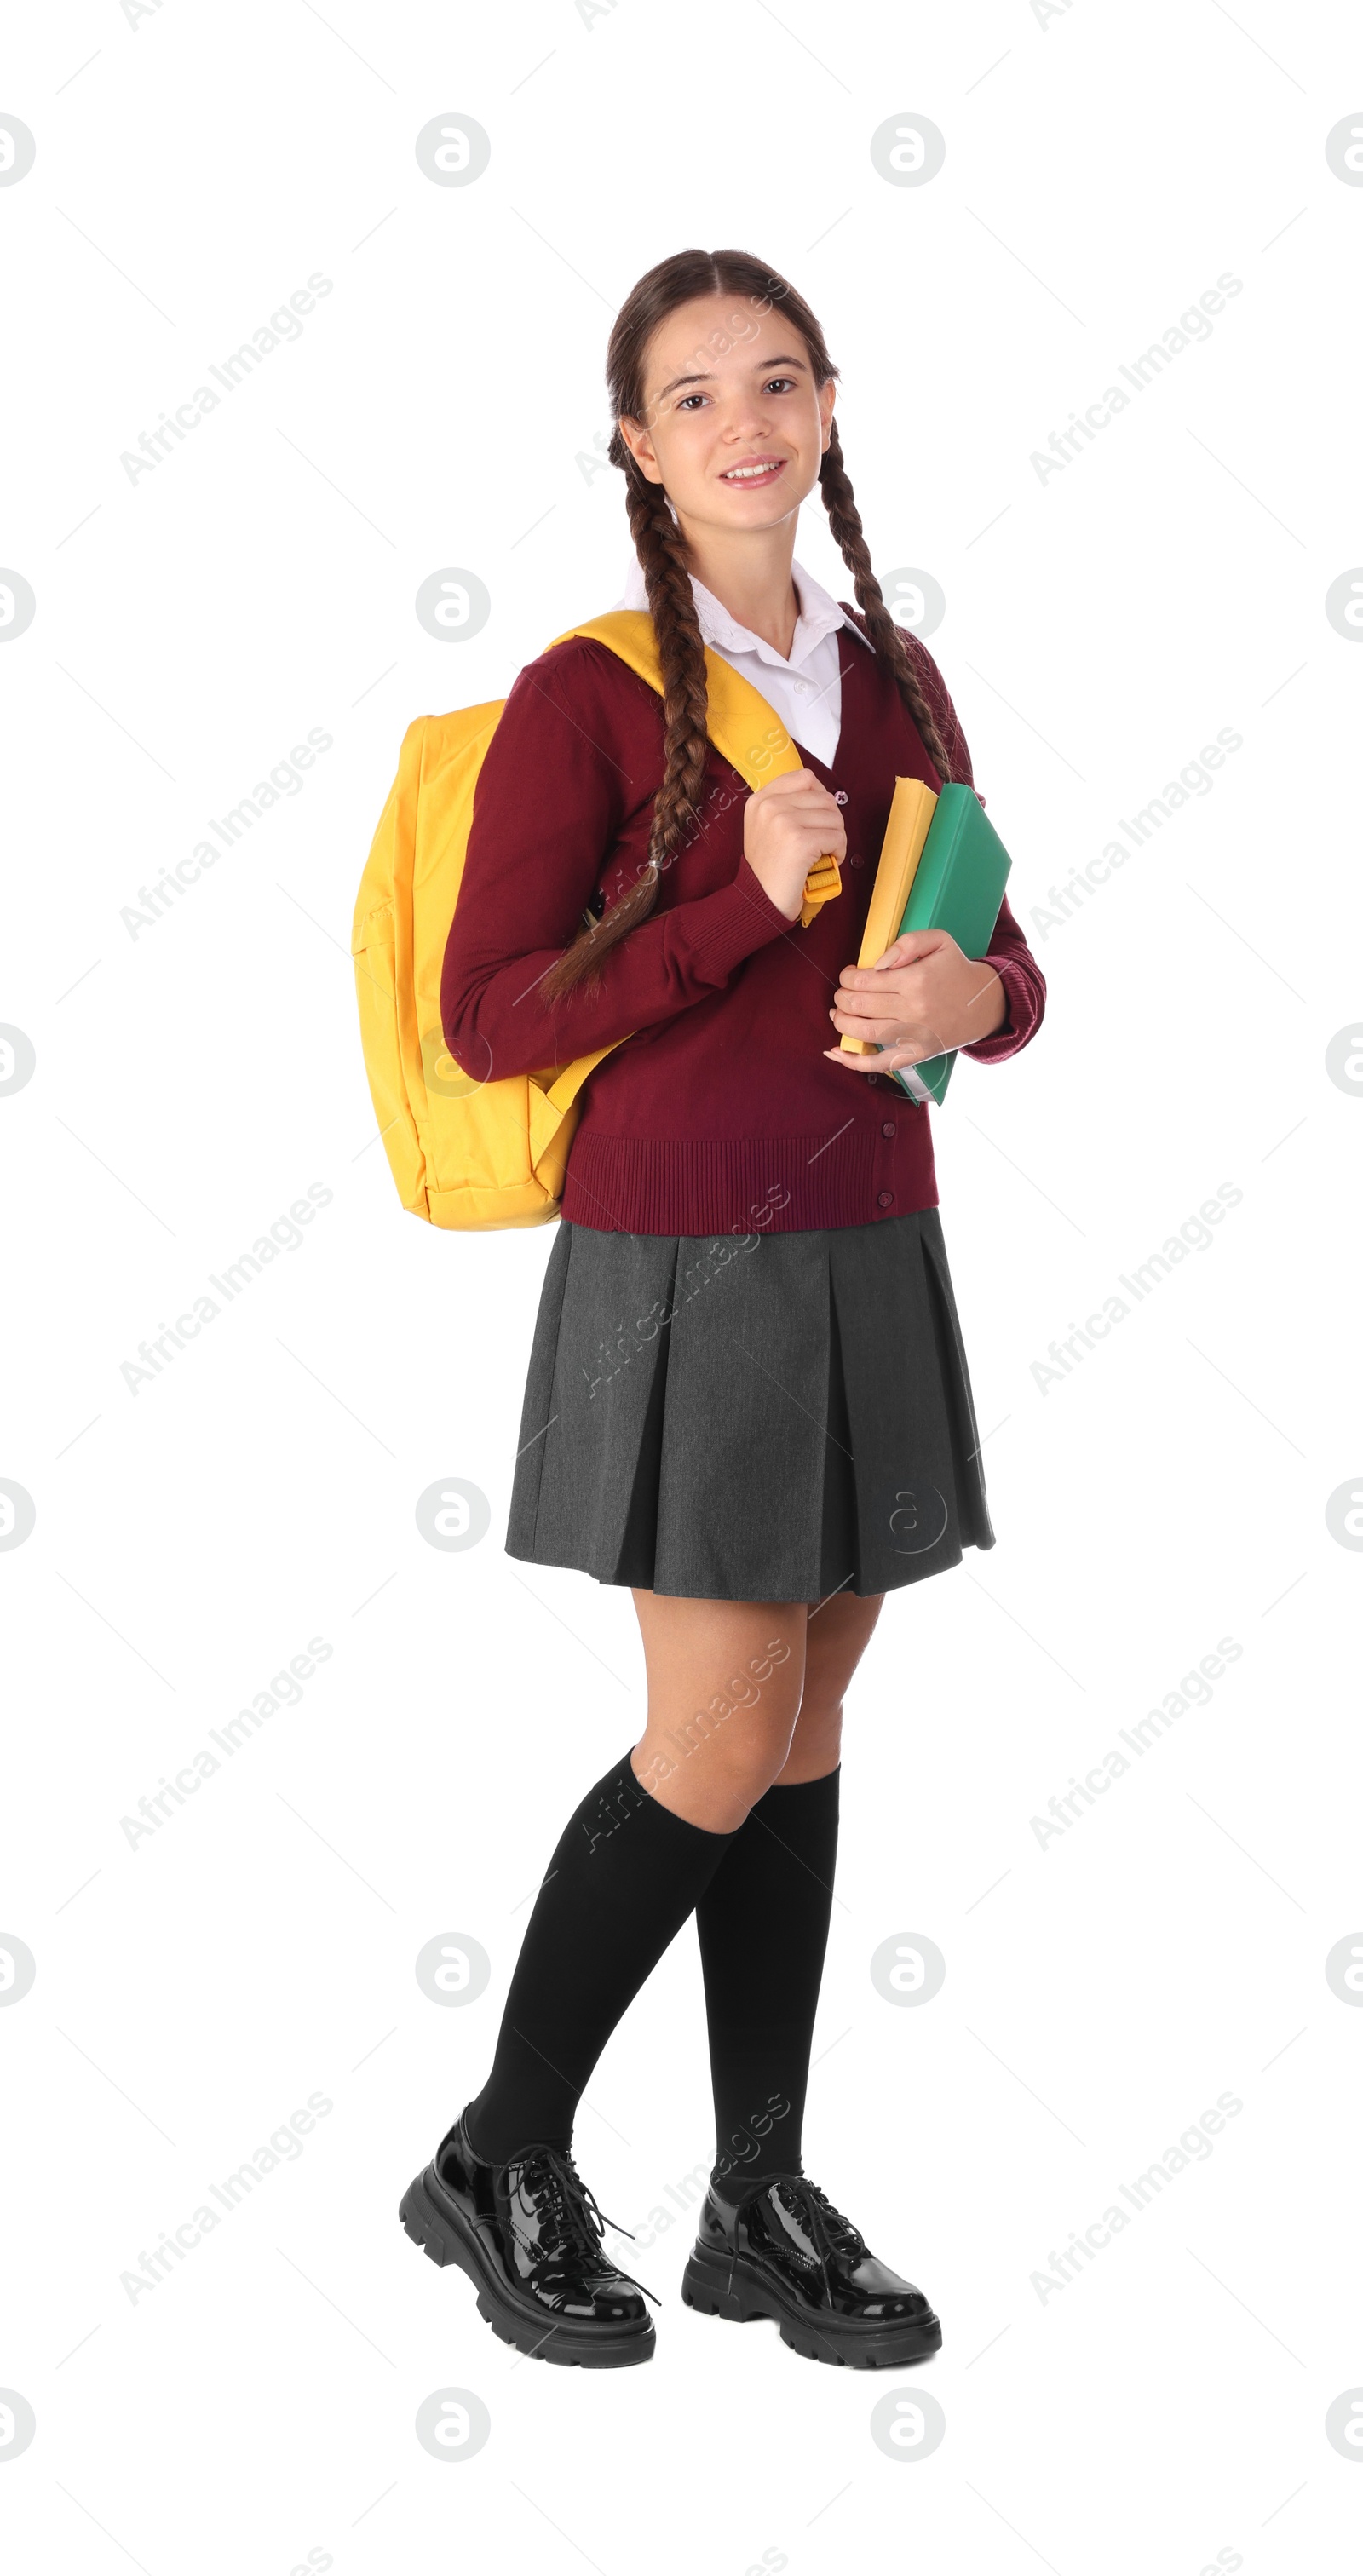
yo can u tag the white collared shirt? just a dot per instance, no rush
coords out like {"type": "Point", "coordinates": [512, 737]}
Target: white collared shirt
{"type": "Point", "coordinates": [806, 690]}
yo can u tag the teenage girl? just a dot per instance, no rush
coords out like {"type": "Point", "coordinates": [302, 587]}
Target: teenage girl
{"type": "Point", "coordinates": [747, 1394]}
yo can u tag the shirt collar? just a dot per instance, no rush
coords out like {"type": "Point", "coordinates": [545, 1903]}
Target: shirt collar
{"type": "Point", "coordinates": [820, 615]}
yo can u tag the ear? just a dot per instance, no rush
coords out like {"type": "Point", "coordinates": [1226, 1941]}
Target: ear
{"type": "Point", "coordinates": [641, 448]}
{"type": "Point", "coordinates": [827, 397]}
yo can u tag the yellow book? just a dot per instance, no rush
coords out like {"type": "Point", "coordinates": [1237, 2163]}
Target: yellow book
{"type": "Point", "coordinates": [905, 833]}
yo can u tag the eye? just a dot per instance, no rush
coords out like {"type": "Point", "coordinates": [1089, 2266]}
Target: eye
{"type": "Point", "coordinates": [779, 384]}
{"type": "Point", "coordinates": [688, 399]}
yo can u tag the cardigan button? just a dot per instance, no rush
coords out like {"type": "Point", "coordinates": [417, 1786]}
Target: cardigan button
{"type": "Point", "coordinates": [888, 1127]}
{"type": "Point", "coordinates": [839, 795]}
{"type": "Point", "coordinates": [885, 1198]}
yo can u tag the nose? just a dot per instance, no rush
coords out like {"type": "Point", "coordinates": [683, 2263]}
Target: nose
{"type": "Point", "coordinates": [743, 417]}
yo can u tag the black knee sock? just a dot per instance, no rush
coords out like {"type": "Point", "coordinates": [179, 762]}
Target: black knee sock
{"type": "Point", "coordinates": [619, 1887]}
{"type": "Point", "coordinates": [762, 1924]}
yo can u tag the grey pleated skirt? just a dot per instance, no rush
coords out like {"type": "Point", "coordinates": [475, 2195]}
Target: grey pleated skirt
{"type": "Point", "coordinates": [768, 1418]}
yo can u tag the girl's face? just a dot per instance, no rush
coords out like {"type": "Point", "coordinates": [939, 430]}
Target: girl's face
{"type": "Point", "coordinates": [734, 424]}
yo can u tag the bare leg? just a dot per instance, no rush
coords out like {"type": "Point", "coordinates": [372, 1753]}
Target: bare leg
{"type": "Point", "coordinates": [724, 1686]}
{"type": "Point", "coordinates": [837, 1636]}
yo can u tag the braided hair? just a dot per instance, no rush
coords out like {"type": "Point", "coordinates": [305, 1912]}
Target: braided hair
{"type": "Point", "coordinates": [663, 556]}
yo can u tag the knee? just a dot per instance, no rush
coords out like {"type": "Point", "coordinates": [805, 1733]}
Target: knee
{"type": "Point", "coordinates": [728, 1754]}
{"type": "Point", "coordinates": [815, 1746]}
{"type": "Point", "coordinates": [752, 1755]}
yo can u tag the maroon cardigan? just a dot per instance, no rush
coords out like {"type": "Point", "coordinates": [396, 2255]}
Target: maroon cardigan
{"type": "Point", "coordinates": [720, 1113]}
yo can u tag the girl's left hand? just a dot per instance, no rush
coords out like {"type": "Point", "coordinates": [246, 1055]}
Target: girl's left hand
{"type": "Point", "coordinates": [921, 999]}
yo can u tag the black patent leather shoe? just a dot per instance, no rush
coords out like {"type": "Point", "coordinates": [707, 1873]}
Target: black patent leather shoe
{"type": "Point", "coordinates": [529, 2235]}
{"type": "Point", "coordinates": [778, 2248]}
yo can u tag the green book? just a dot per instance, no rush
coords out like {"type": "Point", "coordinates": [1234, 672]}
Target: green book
{"type": "Point", "coordinates": [958, 887]}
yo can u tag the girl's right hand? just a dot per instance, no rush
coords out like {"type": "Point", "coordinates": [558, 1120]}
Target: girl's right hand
{"type": "Point", "coordinates": [788, 826]}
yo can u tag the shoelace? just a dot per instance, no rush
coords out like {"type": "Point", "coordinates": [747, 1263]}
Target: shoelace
{"type": "Point", "coordinates": [558, 2194]}
{"type": "Point", "coordinates": [830, 2232]}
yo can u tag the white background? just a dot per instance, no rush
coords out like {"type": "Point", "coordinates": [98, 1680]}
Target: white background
{"type": "Point", "coordinates": [1165, 2409]}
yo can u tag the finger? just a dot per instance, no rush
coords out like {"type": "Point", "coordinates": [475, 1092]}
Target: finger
{"type": "Point", "coordinates": [801, 800]}
{"type": "Point", "coordinates": [885, 1033]}
{"type": "Point", "coordinates": [908, 949]}
{"type": "Point", "coordinates": [791, 782]}
{"type": "Point", "coordinates": [903, 1030]}
{"type": "Point", "coordinates": [881, 1063]}
{"type": "Point", "coordinates": [887, 1061]}
{"type": "Point", "coordinates": [871, 979]}
{"type": "Point", "coordinates": [805, 814]}
{"type": "Point", "coordinates": [869, 996]}
{"type": "Point", "coordinates": [854, 1063]}
{"type": "Point", "coordinates": [894, 1056]}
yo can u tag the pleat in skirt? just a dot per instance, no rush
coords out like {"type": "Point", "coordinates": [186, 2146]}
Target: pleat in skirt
{"type": "Point", "coordinates": [765, 1418]}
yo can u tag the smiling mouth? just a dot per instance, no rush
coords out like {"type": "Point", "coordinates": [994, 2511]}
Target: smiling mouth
{"type": "Point", "coordinates": [751, 477]}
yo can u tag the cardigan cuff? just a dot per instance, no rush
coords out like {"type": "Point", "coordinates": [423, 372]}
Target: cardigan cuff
{"type": "Point", "coordinates": [1019, 1021]}
{"type": "Point", "coordinates": [740, 918]}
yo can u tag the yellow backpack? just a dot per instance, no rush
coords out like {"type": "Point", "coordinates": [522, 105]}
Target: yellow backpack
{"type": "Point", "coordinates": [469, 1154]}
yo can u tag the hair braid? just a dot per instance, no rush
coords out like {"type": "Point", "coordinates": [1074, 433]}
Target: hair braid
{"type": "Point", "coordinates": [662, 552]}
{"type": "Point", "coordinates": [844, 519]}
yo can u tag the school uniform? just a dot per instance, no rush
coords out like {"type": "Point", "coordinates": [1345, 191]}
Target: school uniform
{"type": "Point", "coordinates": [747, 1379]}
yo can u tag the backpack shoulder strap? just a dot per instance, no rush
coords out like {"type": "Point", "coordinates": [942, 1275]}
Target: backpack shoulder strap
{"type": "Point", "coordinates": [745, 730]}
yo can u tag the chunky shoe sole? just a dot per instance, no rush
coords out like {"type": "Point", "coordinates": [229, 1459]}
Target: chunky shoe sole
{"type": "Point", "coordinates": [445, 2235]}
{"type": "Point", "coordinates": [738, 2291]}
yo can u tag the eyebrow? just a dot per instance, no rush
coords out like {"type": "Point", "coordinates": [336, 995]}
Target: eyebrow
{"type": "Point", "coordinates": [764, 367]}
